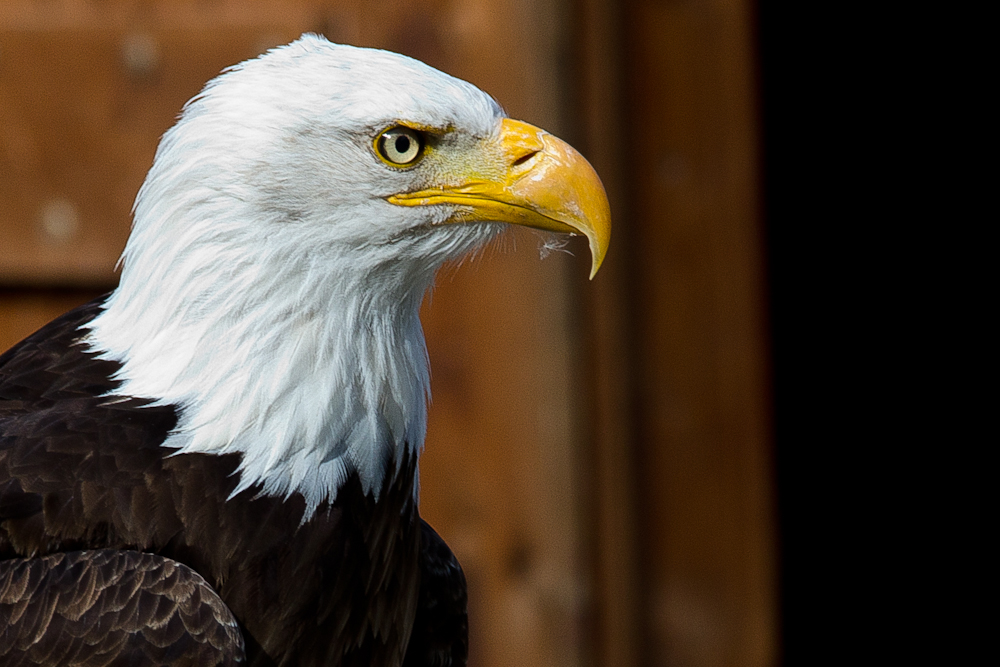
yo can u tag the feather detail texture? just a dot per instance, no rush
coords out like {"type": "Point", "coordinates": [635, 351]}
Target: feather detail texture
{"type": "Point", "coordinates": [68, 609]}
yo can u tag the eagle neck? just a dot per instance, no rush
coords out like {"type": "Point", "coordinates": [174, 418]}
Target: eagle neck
{"type": "Point", "coordinates": [311, 376]}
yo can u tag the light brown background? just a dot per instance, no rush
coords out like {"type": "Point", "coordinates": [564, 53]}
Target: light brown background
{"type": "Point", "coordinates": [599, 453]}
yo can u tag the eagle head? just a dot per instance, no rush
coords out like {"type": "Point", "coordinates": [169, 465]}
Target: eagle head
{"type": "Point", "coordinates": [283, 241]}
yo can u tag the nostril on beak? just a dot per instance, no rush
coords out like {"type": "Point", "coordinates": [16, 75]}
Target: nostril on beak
{"type": "Point", "coordinates": [524, 158]}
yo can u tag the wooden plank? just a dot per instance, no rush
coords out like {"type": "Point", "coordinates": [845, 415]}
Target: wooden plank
{"type": "Point", "coordinates": [609, 365]}
{"type": "Point", "coordinates": [23, 312]}
{"type": "Point", "coordinates": [81, 112]}
{"type": "Point", "coordinates": [705, 432]}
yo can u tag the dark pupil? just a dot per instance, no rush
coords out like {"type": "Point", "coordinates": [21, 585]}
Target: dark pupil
{"type": "Point", "coordinates": [402, 144]}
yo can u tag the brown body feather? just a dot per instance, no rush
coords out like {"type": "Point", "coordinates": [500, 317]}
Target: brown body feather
{"type": "Point", "coordinates": [79, 472]}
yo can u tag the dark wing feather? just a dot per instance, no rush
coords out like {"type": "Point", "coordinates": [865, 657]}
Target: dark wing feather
{"type": "Point", "coordinates": [440, 635]}
{"type": "Point", "coordinates": [97, 608]}
{"type": "Point", "coordinates": [72, 468]}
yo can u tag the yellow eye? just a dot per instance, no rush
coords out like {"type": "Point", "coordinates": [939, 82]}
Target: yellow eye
{"type": "Point", "coordinates": [400, 146]}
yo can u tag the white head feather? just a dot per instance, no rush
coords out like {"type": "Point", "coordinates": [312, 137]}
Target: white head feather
{"type": "Point", "coordinates": [268, 289]}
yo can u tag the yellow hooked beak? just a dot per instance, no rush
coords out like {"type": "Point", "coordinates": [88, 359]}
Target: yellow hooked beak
{"type": "Point", "coordinates": [525, 176]}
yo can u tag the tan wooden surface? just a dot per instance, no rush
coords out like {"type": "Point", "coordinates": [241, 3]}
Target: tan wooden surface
{"type": "Point", "coordinates": [703, 442]}
{"type": "Point", "coordinates": [24, 312]}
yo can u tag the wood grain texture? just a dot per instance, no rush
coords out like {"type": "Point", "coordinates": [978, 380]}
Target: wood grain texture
{"type": "Point", "coordinates": [611, 361]}
{"type": "Point", "coordinates": [24, 311]}
{"type": "Point", "coordinates": [697, 267]}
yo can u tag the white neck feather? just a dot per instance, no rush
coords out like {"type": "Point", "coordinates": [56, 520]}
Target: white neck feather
{"type": "Point", "coordinates": [307, 382]}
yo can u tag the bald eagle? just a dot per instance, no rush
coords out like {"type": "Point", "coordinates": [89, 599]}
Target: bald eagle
{"type": "Point", "coordinates": [216, 463]}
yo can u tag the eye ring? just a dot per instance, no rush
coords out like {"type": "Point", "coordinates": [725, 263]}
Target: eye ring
{"type": "Point", "coordinates": [400, 146]}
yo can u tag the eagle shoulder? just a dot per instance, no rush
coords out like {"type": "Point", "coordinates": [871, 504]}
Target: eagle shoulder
{"type": "Point", "coordinates": [440, 635]}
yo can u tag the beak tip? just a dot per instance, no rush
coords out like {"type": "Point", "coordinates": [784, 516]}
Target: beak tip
{"type": "Point", "coordinates": [598, 250]}
{"type": "Point", "coordinates": [599, 234]}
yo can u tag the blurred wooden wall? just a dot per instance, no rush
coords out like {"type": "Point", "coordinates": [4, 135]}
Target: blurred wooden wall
{"type": "Point", "coordinates": [598, 452]}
